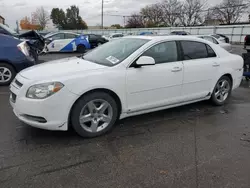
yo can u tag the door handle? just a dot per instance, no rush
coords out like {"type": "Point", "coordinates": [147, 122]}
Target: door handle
{"type": "Point", "coordinates": [216, 65]}
{"type": "Point", "coordinates": [176, 69]}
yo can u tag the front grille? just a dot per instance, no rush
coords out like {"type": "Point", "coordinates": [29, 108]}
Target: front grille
{"type": "Point", "coordinates": [13, 97]}
{"type": "Point", "coordinates": [19, 84]}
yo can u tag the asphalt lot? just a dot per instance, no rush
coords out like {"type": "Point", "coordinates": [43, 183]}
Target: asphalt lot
{"type": "Point", "coordinates": [197, 145]}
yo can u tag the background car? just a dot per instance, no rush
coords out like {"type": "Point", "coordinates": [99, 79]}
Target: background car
{"type": "Point", "coordinates": [146, 33]}
{"type": "Point", "coordinates": [179, 33]}
{"type": "Point", "coordinates": [222, 38]}
{"type": "Point", "coordinates": [66, 42]}
{"type": "Point", "coordinates": [35, 40]}
{"type": "Point", "coordinates": [96, 40]}
{"type": "Point", "coordinates": [115, 36]}
{"type": "Point", "coordinates": [226, 46]}
{"type": "Point", "coordinates": [15, 55]}
{"type": "Point", "coordinates": [247, 43]}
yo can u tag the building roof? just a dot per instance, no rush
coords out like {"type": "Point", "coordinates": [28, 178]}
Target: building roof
{"type": "Point", "coordinates": [2, 17]}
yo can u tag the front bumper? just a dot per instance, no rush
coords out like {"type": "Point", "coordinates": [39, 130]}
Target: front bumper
{"type": "Point", "coordinates": [54, 109]}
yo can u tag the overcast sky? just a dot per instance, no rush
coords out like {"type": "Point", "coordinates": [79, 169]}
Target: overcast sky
{"type": "Point", "coordinates": [90, 10]}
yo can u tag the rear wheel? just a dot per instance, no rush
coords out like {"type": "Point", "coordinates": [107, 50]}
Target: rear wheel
{"type": "Point", "coordinates": [7, 74]}
{"type": "Point", "coordinates": [94, 114]}
{"type": "Point", "coordinates": [222, 91]}
{"type": "Point", "coordinates": [81, 48]}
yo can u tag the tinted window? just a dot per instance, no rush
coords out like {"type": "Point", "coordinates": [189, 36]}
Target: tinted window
{"type": "Point", "coordinates": [163, 52]}
{"type": "Point", "coordinates": [210, 51]}
{"type": "Point", "coordinates": [58, 36]}
{"type": "Point", "coordinates": [118, 35]}
{"type": "Point", "coordinates": [2, 31]}
{"type": "Point", "coordinates": [92, 37]}
{"type": "Point", "coordinates": [215, 41]}
{"type": "Point", "coordinates": [70, 36]}
{"type": "Point", "coordinates": [194, 50]}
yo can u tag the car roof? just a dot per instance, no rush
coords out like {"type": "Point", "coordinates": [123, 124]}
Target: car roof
{"type": "Point", "coordinates": [169, 37]}
{"type": "Point", "coordinates": [116, 34]}
{"type": "Point", "coordinates": [203, 36]}
{"type": "Point", "coordinates": [54, 33]}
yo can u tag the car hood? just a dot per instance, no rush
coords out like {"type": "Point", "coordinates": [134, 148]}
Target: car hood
{"type": "Point", "coordinates": [59, 68]}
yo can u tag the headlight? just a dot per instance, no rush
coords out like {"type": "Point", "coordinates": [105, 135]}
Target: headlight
{"type": "Point", "coordinates": [42, 91]}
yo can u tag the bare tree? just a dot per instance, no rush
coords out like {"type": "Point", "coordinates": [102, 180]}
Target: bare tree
{"type": "Point", "coordinates": [41, 17]}
{"type": "Point", "coordinates": [135, 21]}
{"type": "Point", "coordinates": [170, 11]}
{"type": "Point", "coordinates": [153, 15]}
{"type": "Point", "coordinates": [192, 12]}
{"type": "Point", "coordinates": [230, 11]}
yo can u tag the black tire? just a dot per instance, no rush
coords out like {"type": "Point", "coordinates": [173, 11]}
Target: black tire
{"type": "Point", "coordinates": [214, 100]}
{"type": "Point", "coordinates": [12, 71]}
{"type": "Point", "coordinates": [81, 48]}
{"type": "Point", "coordinates": [78, 106]}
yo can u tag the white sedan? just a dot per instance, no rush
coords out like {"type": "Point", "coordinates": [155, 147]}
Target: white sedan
{"type": "Point", "coordinates": [122, 78]}
{"type": "Point", "coordinates": [214, 40]}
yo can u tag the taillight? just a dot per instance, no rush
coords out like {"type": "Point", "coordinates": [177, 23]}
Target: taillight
{"type": "Point", "coordinates": [24, 48]}
{"type": "Point", "coordinates": [246, 38]}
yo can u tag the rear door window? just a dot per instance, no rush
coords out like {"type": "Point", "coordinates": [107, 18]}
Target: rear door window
{"type": "Point", "coordinates": [70, 36]}
{"type": "Point", "coordinates": [58, 36]}
{"type": "Point", "coordinates": [196, 50]}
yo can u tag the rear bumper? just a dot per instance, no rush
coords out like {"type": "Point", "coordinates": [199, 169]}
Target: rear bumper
{"type": "Point", "coordinates": [237, 78]}
{"type": "Point", "coordinates": [24, 64]}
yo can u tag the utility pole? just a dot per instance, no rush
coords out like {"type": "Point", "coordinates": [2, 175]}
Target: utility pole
{"type": "Point", "coordinates": [17, 27]}
{"type": "Point", "coordinates": [102, 15]}
{"type": "Point", "coordinates": [124, 21]}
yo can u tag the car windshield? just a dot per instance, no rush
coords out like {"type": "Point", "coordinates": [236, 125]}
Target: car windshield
{"type": "Point", "coordinates": [8, 29]}
{"type": "Point", "coordinates": [114, 52]}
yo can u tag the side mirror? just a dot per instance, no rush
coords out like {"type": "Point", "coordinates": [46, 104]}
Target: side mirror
{"type": "Point", "coordinates": [145, 61]}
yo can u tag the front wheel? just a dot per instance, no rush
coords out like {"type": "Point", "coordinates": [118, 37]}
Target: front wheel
{"type": "Point", "coordinates": [94, 114]}
{"type": "Point", "coordinates": [222, 91]}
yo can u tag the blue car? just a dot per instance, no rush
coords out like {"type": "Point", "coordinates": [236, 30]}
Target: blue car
{"type": "Point", "coordinates": [15, 55]}
{"type": "Point", "coordinates": [66, 42]}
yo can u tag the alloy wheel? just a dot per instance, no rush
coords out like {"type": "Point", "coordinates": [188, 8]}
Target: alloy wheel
{"type": "Point", "coordinates": [5, 74]}
{"type": "Point", "coordinates": [96, 115]}
{"type": "Point", "coordinates": [222, 90]}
